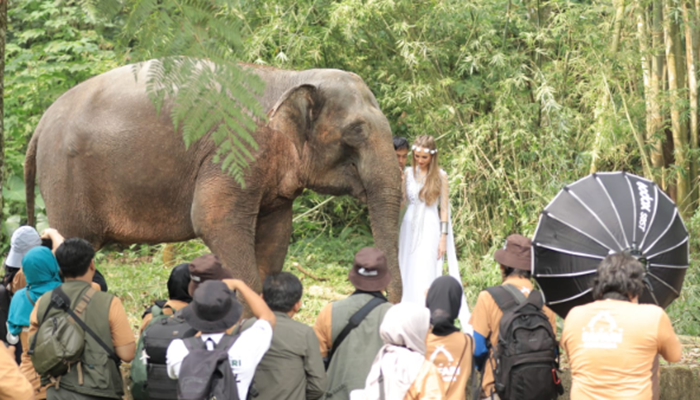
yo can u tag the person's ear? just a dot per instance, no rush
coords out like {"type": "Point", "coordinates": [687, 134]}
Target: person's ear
{"type": "Point", "coordinates": [92, 265]}
{"type": "Point", "coordinates": [297, 306]}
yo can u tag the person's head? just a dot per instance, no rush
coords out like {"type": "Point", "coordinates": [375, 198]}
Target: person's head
{"type": "Point", "coordinates": [179, 282]}
{"type": "Point", "coordinates": [444, 300]}
{"type": "Point", "coordinates": [514, 257]}
{"type": "Point", "coordinates": [214, 308]}
{"type": "Point", "coordinates": [369, 272]}
{"type": "Point", "coordinates": [401, 149]}
{"type": "Point", "coordinates": [620, 276]}
{"type": "Point", "coordinates": [75, 258]}
{"type": "Point", "coordinates": [406, 325]}
{"type": "Point", "coordinates": [23, 239]}
{"type": "Point", "coordinates": [40, 266]}
{"type": "Point", "coordinates": [206, 268]}
{"type": "Point", "coordinates": [282, 292]}
{"type": "Point", "coordinates": [425, 156]}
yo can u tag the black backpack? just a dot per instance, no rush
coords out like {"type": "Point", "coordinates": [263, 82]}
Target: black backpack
{"type": "Point", "coordinates": [156, 339]}
{"type": "Point", "coordinates": [207, 375]}
{"type": "Point", "coordinates": [526, 360]}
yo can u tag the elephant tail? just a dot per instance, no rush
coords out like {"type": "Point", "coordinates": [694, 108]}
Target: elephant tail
{"type": "Point", "coordinates": [30, 178]}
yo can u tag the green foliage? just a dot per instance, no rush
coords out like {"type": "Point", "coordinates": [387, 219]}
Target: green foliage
{"type": "Point", "coordinates": [51, 47]}
{"type": "Point", "coordinates": [510, 96]}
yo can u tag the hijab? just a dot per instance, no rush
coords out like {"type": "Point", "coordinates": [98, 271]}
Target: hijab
{"type": "Point", "coordinates": [444, 300]}
{"type": "Point", "coordinates": [178, 283]}
{"type": "Point", "coordinates": [400, 360]}
{"type": "Point", "coordinates": [42, 275]}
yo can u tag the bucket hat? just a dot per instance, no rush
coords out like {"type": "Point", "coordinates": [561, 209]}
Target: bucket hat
{"type": "Point", "coordinates": [369, 272]}
{"type": "Point", "coordinates": [23, 239]}
{"type": "Point", "coordinates": [515, 252]}
{"type": "Point", "coordinates": [206, 268]}
{"type": "Point", "coordinates": [214, 308]}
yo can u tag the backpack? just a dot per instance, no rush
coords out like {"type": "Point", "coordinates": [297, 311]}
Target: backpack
{"type": "Point", "coordinates": [207, 375]}
{"type": "Point", "coordinates": [62, 337]}
{"type": "Point", "coordinates": [149, 375]}
{"type": "Point", "coordinates": [526, 360]}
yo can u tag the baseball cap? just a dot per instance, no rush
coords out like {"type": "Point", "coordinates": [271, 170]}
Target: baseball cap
{"type": "Point", "coordinates": [23, 239]}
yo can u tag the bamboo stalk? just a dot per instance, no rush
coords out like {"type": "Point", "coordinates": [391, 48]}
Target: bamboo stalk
{"type": "Point", "coordinates": [656, 80]}
{"type": "Point", "coordinates": [603, 102]}
{"type": "Point", "coordinates": [679, 131]}
{"type": "Point", "coordinates": [643, 37]}
{"type": "Point", "coordinates": [690, 59]}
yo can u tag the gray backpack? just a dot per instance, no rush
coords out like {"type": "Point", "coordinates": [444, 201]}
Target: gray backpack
{"type": "Point", "coordinates": [207, 375]}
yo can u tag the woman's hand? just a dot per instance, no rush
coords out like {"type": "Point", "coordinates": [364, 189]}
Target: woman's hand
{"type": "Point", "coordinates": [442, 247]}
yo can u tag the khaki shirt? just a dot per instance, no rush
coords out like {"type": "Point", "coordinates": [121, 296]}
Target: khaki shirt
{"type": "Point", "coordinates": [612, 345]}
{"type": "Point", "coordinates": [486, 319]}
{"type": "Point", "coordinates": [292, 368]}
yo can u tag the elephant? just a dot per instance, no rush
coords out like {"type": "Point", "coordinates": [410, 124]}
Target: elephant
{"type": "Point", "coordinates": [111, 169]}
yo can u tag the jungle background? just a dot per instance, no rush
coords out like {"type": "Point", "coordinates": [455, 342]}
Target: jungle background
{"type": "Point", "coordinates": [524, 96]}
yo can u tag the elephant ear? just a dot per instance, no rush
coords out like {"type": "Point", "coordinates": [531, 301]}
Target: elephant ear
{"type": "Point", "coordinates": [295, 113]}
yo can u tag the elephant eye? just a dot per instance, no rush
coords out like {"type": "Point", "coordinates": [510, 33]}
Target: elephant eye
{"type": "Point", "coordinates": [355, 133]}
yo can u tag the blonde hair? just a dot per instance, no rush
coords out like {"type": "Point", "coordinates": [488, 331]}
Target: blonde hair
{"type": "Point", "coordinates": [430, 191]}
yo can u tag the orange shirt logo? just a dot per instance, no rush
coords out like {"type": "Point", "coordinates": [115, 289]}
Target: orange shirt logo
{"type": "Point", "coordinates": [601, 332]}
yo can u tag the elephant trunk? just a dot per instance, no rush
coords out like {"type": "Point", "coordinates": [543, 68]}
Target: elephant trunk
{"type": "Point", "coordinates": [384, 201]}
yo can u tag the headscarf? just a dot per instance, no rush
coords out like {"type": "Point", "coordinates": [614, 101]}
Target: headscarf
{"type": "Point", "coordinates": [403, 330]}
{"type": "Point", "coordinates": [178, 283]}
{"type": "Point", "coordinates": [444, 300]}
{"type": "Point", "coordinates": [41, 272]}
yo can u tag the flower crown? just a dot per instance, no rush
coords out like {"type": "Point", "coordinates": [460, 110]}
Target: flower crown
{"type": "Point", "coordinates": [423, 149]}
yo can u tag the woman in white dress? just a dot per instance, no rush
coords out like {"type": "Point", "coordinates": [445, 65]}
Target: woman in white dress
{"type": "Point", "coordinates": [426, 232]}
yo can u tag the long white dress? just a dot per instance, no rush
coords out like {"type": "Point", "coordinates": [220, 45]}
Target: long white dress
{"type": "Point", "coordinates": [418, 245]}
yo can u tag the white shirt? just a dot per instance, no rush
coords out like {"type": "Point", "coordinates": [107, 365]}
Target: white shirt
{"type": "Point", "coordinates": [244, 355]}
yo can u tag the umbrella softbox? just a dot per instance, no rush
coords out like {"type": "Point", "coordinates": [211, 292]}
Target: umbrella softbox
{"type": "Point", "coordinates": [601, 214]}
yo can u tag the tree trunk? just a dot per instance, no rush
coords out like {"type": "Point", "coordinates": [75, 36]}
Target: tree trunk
{"type": "Point", "coordinates": [3, 35]}
{"type": "Point", "coordinates": [655, 134]}
{"type": "Point", "coordinates": [690, 58]}
{"type": "Point", "coordinates": [676, 82]}
{"type": "Point", "coordinates": [604, 98]}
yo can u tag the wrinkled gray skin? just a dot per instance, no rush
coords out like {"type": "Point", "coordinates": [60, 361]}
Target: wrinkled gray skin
{"type": "Point", "coordinates": [111, 170]}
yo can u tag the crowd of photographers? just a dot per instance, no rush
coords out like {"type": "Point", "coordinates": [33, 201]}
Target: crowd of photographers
{"type": "Point", "coordinates": [67, 335]}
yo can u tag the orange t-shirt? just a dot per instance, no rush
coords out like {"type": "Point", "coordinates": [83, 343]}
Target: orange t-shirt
{"type": "Point", "coordinates": [486, 319]}
{"type": "Point", "coordinates": [445, 352]}
{"type": "Point", "coordinates": [612, 345]}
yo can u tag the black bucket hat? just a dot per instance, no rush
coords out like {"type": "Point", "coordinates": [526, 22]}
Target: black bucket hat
{"type": "Point", "coordinates": [214, 308]}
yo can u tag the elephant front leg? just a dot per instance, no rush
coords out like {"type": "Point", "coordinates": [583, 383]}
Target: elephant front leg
{"type": "Point", "coordinates": [225, 221]}
{"type": "Point", "coordinates": [272, 239]}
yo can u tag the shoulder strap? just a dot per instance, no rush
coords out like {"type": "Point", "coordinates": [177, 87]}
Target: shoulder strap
{"type": "Point", "coordinates": [354, 322]}
{"type": "Point", "coordinates": [459, 363]}
{"type": "Point", "coordinates": [227, 341]}
{"type": "Point", "coordinates": [79, 309]}
{"type": "Point", "coordinates": [193, 343]}
{"type": "Point", "coordinates": [506, 296]}
{"type": "Point", "coordinates": [28, 297]}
